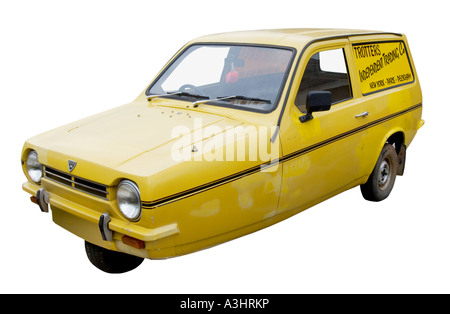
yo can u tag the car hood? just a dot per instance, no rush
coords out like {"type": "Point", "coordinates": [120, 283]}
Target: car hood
{"type": "Point", "coordinates": [115, 138]}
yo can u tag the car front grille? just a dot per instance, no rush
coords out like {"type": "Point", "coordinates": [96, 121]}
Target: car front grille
{"type": "Point", "coordinates": [76, 183]}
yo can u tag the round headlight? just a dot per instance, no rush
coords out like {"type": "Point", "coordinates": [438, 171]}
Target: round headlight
{"type": "Point", "coordinates": [129, 200]}
{"type": "Point", "coordinates": [34, 168]}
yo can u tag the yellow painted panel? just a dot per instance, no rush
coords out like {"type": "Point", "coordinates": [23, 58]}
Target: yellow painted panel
{"type": "Point", "coordinates": [382, 65]}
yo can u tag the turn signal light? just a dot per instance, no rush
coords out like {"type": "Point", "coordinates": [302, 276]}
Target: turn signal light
{"type": "Point", "coordinates": [136, 243]}
{"type": "Point", "coordinates": [33, 199]}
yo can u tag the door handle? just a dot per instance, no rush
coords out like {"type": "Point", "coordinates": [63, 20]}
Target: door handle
{"type": "Point", "coordinates": [364, 114]}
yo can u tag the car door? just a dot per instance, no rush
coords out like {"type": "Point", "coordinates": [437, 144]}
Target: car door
{"type": "Point", "coordinates": [325, 155]}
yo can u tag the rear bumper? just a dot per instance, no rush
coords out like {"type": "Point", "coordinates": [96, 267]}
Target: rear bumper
{"type": "Point", "coordinates": [85, 223]}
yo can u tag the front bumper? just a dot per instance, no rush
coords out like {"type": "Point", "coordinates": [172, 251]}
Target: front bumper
{"type": "Point", "coordinates": [89, 224]}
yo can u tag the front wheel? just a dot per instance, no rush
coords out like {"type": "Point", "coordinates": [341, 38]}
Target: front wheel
{"type": "Point", "coordinates": [111, 261]}
{"type": "Point", "coordinates": [381, 181]}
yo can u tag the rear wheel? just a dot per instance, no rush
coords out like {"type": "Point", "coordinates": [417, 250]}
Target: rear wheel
{"type": "Point", "coordinates": [111, 261]}
{"type": "Point", "coordinates": [381, 181]}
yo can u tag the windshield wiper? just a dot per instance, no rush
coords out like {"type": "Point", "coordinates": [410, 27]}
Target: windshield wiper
{"type": "Point", "coordinates": [150, 97]}
{"type": "Point", "coordinates": [238, 97]}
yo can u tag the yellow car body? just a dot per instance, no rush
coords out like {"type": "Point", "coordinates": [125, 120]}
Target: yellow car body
{"type": "Point", "coordinates": [201, 201]}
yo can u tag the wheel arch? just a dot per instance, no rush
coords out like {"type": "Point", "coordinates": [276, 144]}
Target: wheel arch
{"type": "Point", "coordinates": [396, 137]}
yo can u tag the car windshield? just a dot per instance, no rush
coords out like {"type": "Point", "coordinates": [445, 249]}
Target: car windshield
{"type": "Point", "coordinates": [238, 76]}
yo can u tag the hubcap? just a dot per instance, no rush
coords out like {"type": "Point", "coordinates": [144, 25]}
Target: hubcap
{"type": "Point", "coordinates": [384, 175]}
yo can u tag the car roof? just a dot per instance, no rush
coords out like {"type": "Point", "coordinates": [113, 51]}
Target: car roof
{"type": "Point", "coordinates": [292, 37]}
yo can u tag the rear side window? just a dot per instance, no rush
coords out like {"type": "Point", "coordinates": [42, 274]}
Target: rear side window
{"type": "Point", "coordinates": [382, 65]}
{"type": "Point", "coordinates": [325, 71]}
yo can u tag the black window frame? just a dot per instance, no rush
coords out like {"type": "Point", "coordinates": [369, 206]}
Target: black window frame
{"type": "Point", "coordinates": [350, 85]}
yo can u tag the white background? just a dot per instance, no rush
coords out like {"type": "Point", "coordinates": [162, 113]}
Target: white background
{"type": "Point", "coordinates": [61, 61]}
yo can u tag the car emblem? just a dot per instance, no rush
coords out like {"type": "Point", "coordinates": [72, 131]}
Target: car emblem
{"type": "Point", "coordinates": [72, 165]}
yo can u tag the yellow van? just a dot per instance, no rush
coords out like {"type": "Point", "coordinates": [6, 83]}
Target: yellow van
{"type": "Point", "coordinates": [237, 132]}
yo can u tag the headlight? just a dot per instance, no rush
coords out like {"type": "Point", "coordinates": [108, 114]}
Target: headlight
{"type": "Point", "coordinates": [129, 200]}
{"type": "Point", "coordinates": [34, 168]}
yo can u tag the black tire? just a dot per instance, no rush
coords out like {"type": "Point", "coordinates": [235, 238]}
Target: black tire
{"type": "Point", "coordinates": [111, 261]}
{"type": "Point", "coordinates": [382, 179]}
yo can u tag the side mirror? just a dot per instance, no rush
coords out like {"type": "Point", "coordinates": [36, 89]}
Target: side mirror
{"type": "Point", "coordinates": [316, 101]}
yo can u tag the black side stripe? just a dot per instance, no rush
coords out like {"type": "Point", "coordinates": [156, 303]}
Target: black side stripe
{"type": "Point", "coordinates": [241, 174]}
{"type": "Point", "coordinates": [201, 188]}
{"type": "Point", "coordinates": [348, 133]}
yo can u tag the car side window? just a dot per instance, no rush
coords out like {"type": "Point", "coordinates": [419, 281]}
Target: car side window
{"type": "Point", "coordinates": [325, 71]}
